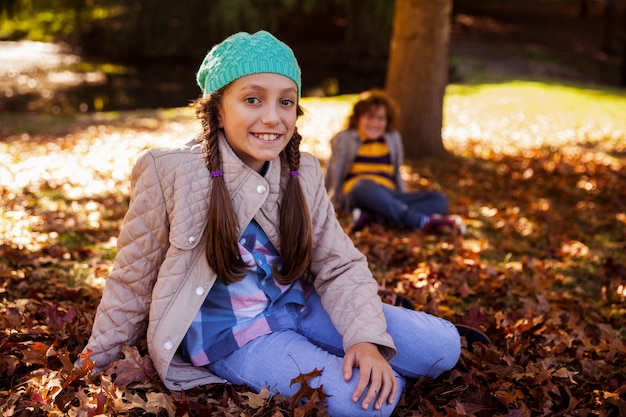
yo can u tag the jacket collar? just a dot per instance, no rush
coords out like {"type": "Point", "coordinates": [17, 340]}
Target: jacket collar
{"type": "Point", "coordinates": [251, 192]}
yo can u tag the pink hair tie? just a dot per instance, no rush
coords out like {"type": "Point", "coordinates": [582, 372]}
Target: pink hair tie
{"type": "Point", "coordinates": [294, 173]}
{"type": "Point", "coordinates": [216, 173]}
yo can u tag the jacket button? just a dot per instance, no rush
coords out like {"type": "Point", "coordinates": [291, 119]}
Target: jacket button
{"type": "Point", "coordinates": [260, 189]}
{"type": "Point", "coordinates": [199, 291]}
{"type": "Point", "coordinates": [192, 240]}
{"type": "Point", "coordinates": [168, 345]}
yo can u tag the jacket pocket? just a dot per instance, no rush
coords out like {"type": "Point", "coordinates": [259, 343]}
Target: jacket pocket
{"type": "Point", "coordinates": [187, 230]}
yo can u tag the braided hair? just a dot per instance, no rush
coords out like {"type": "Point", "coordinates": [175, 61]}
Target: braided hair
{"type": "Point", "coordinates": [222, 249]}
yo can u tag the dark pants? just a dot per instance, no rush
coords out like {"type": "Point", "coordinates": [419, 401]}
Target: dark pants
{"type": "Point", "coordinates": [410, 209]}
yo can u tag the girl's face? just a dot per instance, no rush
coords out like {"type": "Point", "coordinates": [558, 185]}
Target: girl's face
{"type": "Point", "coordinates": [373, 123]}
{"type": "Point", "coordinates": [258, 114]}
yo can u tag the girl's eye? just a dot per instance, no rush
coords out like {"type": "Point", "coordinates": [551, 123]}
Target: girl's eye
{"type": "Point", "coordinates": [252, 100]}
{"type": "Point", "coordinates": [287, 102]}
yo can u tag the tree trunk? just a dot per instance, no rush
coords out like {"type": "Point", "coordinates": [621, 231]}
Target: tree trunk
{"type": "Point", "coordinates": [583, 10]}
{"type": "Point", "coordinates": [622, 78]}
{"type": "Point", "coordinates": [417, 72]}
{"type": "Point", "coordinates": [607, 33]}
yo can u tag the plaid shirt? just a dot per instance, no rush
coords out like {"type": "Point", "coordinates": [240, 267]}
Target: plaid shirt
{"type": "Point", "coordinates": [232, 315]}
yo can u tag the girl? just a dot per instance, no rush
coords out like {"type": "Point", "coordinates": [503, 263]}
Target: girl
{"type": "Point", "coordinates": [363, 175]}
{"type": "Point", "coordinates": [233, 259]}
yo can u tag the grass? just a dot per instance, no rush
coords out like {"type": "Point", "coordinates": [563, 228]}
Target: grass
{"type": "Point", "coordinates": [533, 115]}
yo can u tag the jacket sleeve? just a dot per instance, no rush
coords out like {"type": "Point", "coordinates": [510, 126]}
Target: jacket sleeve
{"type": "Point", "coordinates": [343, 280]}
{"type": "Point", "coordinates": [121, 317]}
{"type": "Point", "coordinates": [398, 159]}
{"type": "Point", "coordinates": [335, 170]}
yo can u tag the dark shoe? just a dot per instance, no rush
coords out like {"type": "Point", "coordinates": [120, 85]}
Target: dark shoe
{"type": "Point", "coordinates": [472, 335]}
{"type": "Point", "coordinates": [395, 299]}
{"type": "Point", "coordinates": [361, 218]}
{"type": "Point", "coordinates": [445, 224]}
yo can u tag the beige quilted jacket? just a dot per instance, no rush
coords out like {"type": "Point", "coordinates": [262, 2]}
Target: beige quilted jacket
{"type": "Point", "coordinates": [161, 277]}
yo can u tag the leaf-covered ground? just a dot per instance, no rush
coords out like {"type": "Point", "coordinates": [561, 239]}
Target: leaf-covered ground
{"type": "Point", "coordinates": [537, 171]}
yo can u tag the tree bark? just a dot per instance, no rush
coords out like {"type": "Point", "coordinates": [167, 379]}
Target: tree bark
{"type": "Point", "coordinates": [622, 78]}
{"type": "Point", "coordinates": [607, 33]}
{"type": "Point", "coordinates": [417, 72]}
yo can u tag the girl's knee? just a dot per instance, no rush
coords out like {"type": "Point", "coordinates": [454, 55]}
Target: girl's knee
{"type": "Point", "coordinates": [427, 345]}
{"type": "Point", "coordinates": [450, 349]}
{"type": "Point", "coordinates": [351, 409]}
{"type": "Point", "coordinates": [339, 399]}
{"type": "Point", "coordinates": [347, 408]}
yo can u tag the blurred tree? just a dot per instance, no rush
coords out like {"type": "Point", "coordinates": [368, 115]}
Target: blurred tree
{"type": "Point", "coordinates": [583, 9]}
{"type": "Point", "coordinates": [609, 27]}
{"type": "Point", "coordinates": [154, 28]}
{"type": "Point", "coordinates": [417, 72]}
{"type": "Point", "coordinates": [8, 7]}
{"type": "Point", "coordinates": [622, 75]}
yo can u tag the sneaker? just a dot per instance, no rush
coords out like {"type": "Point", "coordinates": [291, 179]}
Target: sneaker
{"type": "Point", "coordinates": [361, 218]}
{"type": "Point", "coordinates": [472, 335]}
{"type": "Point", "coordinates": [446, 224]}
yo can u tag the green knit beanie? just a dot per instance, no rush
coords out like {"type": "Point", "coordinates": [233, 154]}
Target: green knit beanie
{"type": "Point", "coordinates": [244, 54]}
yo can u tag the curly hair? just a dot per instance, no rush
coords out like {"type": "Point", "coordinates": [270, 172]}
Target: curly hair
{"type": "Point", "coordinates": [370, 99]}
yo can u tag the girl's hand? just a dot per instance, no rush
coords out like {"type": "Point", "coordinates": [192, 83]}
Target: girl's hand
{"type": "Point", "coordinates": [375, 371]}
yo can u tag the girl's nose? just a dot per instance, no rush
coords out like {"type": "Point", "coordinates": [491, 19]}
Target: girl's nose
{"type": "Point", "coordinates": [270, 115]}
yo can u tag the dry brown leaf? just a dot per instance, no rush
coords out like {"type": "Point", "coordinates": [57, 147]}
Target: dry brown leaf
{"type": "Point", "coordinates": [133, 368]}
{"type": "Point", "coordinates": [258, 400]}
{"type": "Point", "coordinates": [158, 401]}
{"type": "Point", "coordinates": [306, 392]}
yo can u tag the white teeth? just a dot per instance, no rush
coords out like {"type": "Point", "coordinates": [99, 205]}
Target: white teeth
{"type": "Point", "coordinates": [268, 136]}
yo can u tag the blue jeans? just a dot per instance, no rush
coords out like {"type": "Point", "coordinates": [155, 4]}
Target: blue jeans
{"type": "Point", "coordinates": [426, 345]}
{"type": "Point", "coordinates": [404, 209]}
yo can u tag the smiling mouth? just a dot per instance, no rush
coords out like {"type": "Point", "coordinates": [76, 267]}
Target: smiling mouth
{"type": "Point", "coordinates": [268, 137]}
